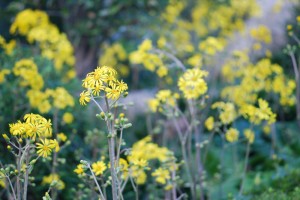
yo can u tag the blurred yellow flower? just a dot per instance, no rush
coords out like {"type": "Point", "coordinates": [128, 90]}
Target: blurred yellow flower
{"type": "Point", "coordinates": [232, 135]}
{"type": "Point", "coordinates": [99, 167]}
{"type": "Point", "coordinates": [68, 118]}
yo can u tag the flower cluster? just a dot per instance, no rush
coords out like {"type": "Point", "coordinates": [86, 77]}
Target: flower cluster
{"type": "Point", "coordinates": [192, 84]}
{"type": "Point", "coordinates": [141, 154]}
{"type": "Point", "coordinates": [256, 115]}
{"type": "Point", "coordinates": [232, 135]}
{"type": "Point", "coordinates": [35, 128]}
{"type": "Point", "coordinates": [261, 34]}
{"type": "Point", "coordinates": [227, 111]}
{"type": "Point", "coordinates": [264, 75]}
{"type": "Point", "coordinates": [114, 55]}
{"type": "Point", "coordinates": [35, 25]}
{"type": "Point", "coordinates": [150, 61]}
{"type": "Point", "coordinates": [211, 46]}
{"type": "Point", "coordinates": [28, 71]}
{"type": "Point", "coordinates": [58, 98]}
{"type": "Point", "coordinates": [164, 100]}
{"type": "Point", "coordinates": [102, 81]}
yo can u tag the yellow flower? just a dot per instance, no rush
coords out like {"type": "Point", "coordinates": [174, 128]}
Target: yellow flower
{"type": "Point", "coordinates": [153, 104]}
{"type": "Point", "coordinates": [62, 137]}
{"type": "Point", "coordinates": [232, 135]}
{"type": "Point", "coordinates": [84, 98]}
{"type": "Point", "coordinates": [17, 129]}
{"type": "Point", "coordinates": [55, 145]}
{"type": "Point", "coordinates": [61, 98]}
{"type": "Point", "coordinates": [209, 123]}
{"type": "Point", "coordinates": [44, 148]}
{"type": "Point", "coordinates": [121, 86]}
{"type": "Point", "coordinates": [162, 175]}
{"type": "Point", "coordinates": [68, 118]}
{"type": "Point", "coordinates": [99, 167]}
{"type": "Point", "coordinates": [3, 73]}
{"type": "Point", "coordinates": [211, 45]}
{"type": "Point", "coordinates": [146, 45]}
{"type": "Point", "coordinates": [113, 92]}
{"type": "Point", "coordinates": [249, 134]}
{"type": "Point", "coordinates": [227, 111]}
{"type": "Point", "coordinates": [79, 169]}
{"type": "Point", "coordinates": [123, 165]}
{"type": "Point", "coordinates": [60, 185]}
{"type": "Point", "coordinates": [192, 84]}
{"type": "Point", "coordinates": [140, 162]}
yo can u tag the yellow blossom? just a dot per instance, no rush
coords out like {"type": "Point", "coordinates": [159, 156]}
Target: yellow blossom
{"type": "Point", "coordinates": [68, 118]}
{"type": "Point", "coordinates": [250, 136]}
{"type": "Point", "coordinates": [161, 175]}
{"type": "Point", "coordinates": [99, 167]}
{"type": "Point", "coordinates": [192, 84]}
{"type": "Point", "coordinates": [60, 185]}
{"type": "Point", "coordinates": [209, 123]}
{"type": "Point", "coordinates": [79, 169]}
{"type": "Point", "coordinates": [232, 135]}
{"type": "Point", "coordinates": [62, 137]}
{"type": "Point", "coordinates": [44, 148]}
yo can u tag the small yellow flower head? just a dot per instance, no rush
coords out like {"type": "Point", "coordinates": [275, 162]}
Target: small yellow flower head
{"type": "Point", "coordinates": [123, 165]}
{"type": "Point", "coordinates": [79, 169]}
{"type": "Point", "coordinates": [140, 163]}
{"type": "Point", "coordinates": [164, 99]}
{"type": "Point", "coordinates": [261, 34]}
{"type": "Point", "coordinates": [227, 111]}
{"type": "Point", "coordinates": [267, 129]}
{"type": "Point", "coordinates": [54, 180]}
{"type": "Point", "coordinates": [162, 175]}
{"type": "Point", "coordinates": [232, 135]}
{"type": "Point", "coordinates": [99, 167]}
{"type": "Point", "coordinates": [211, 45]}
{"type": "Point", "coordinates": [146, 45]}
{"type": "Point", "coordinates": [7, 47]}
{"type": "Point", "coordinates": [289, 27]}
{"type": "Point", "coordinates": [192, 84]}
{"type": "Point", "coordinates": [103, 80]}
{"type": "Point", "coordinates": [209, 123]}
{"type": "Point", "coordinates": [61, 98]}
{"type": "Point", "coordinates": [55, 145]}
{"type": "Point", "coordinates": [68, 118]}
{"type": "Point", "coordinates": [298, 18]}
{"type": "Point", "coordinates": [3, 73]}
{"type": "Point", "coordinates": [28, 71]}
{"type": "Point", "coordinates": [62, 137]}
{"type": "Point", "coordinates": [45, 148]}
{"type": "Point", "coordinates": [84, 98]}
{"type": "Point", "coordinates": [250, 136]}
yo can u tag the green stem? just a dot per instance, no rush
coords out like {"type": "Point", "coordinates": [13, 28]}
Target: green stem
{"type": "Point", "coordinates": [245, 168]}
